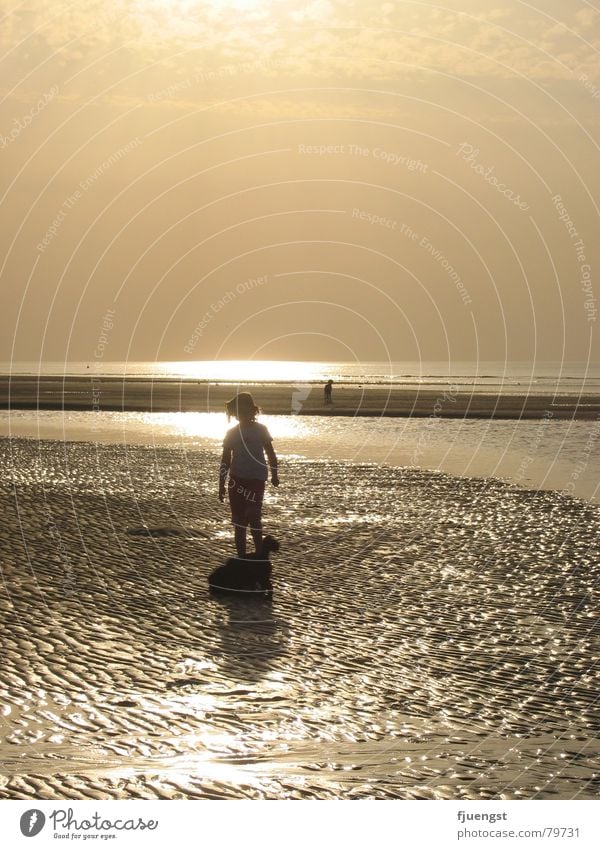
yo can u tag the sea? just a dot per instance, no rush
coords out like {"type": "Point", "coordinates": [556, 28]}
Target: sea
{"type": "Point", "coordinates": [538, 376]}
{"type": "Point", "coordinates": [542, 454]}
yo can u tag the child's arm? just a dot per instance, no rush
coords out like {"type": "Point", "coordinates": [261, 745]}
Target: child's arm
{"type": "Point", "coordinates": [272, 458]}
{"type": "Point", "coordinates": [223, 469]}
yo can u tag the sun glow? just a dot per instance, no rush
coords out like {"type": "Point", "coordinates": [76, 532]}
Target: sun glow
{"type": "Point", "coordinates": [158, 22]}
{"type": "Point", "coordinates": [190, 10]}
{"type": "Point", "coordinates": [212, 426]}
{"type": "Point", "coordinates": [248, 371]}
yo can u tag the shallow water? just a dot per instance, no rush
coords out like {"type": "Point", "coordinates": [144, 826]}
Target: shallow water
{"type": "Point", "coordinates": [429, 637]}
{"type": "Point", "coordinates": [541, 454]}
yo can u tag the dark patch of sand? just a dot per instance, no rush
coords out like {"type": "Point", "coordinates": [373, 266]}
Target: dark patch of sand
{"type": "Point", "coordinates": [168, 395]}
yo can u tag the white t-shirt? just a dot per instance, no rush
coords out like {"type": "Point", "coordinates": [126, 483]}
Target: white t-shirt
{"type": "Point", "coordinates": [248, 445]}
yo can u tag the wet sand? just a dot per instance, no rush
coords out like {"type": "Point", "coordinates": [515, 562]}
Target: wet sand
{"type": "Point", "coordinates": [168, 395]}
{"type": "Point", "coordinates": [429, 636]}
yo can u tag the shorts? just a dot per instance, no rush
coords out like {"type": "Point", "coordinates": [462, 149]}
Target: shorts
{"type": "Point", "coordinates": [245, 499]}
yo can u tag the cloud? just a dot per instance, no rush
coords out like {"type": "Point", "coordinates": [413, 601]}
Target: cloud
{"type": "Point", "coordinates": [587, 18]}
{"type": "Point", "coordinates": [135, 48]}
{"type": "Point", "coordinates": [358, 32]}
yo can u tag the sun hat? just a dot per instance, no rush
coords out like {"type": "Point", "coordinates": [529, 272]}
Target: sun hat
{"type": "Point", "coordinates": [242, 403]}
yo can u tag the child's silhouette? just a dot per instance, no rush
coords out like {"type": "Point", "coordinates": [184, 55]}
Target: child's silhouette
{"type": "Point", "coordinates": [244, 449]}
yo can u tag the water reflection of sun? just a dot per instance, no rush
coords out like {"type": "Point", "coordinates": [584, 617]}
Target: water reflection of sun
{"type": "Point", "coordinates": [247, 371]}
{"type": "Point", "coordinates": [212, 426]}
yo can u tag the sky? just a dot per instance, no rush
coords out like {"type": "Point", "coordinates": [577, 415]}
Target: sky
{"type": "Point", "coordinates": [341, 180]}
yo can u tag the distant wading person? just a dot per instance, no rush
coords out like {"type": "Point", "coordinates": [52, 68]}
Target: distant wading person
{"type": "Point", "coordinates": [244, 449]}
{"type": "Point", "coordinates": [327, 391]}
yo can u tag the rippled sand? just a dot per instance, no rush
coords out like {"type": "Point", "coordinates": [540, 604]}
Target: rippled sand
{"type": "Point", "coordinates": [429, 636]}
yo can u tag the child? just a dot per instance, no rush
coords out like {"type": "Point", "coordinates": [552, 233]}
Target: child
{"type": "Point", "coordinates": [244, 449]}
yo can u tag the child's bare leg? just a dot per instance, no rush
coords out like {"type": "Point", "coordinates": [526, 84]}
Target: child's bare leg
{"type": "Point", "coordinates": [240, 540]}
{"type": "Point", "coordinates": [257, 537]}
{"type": "Point", "coordinates": [255, 522]}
